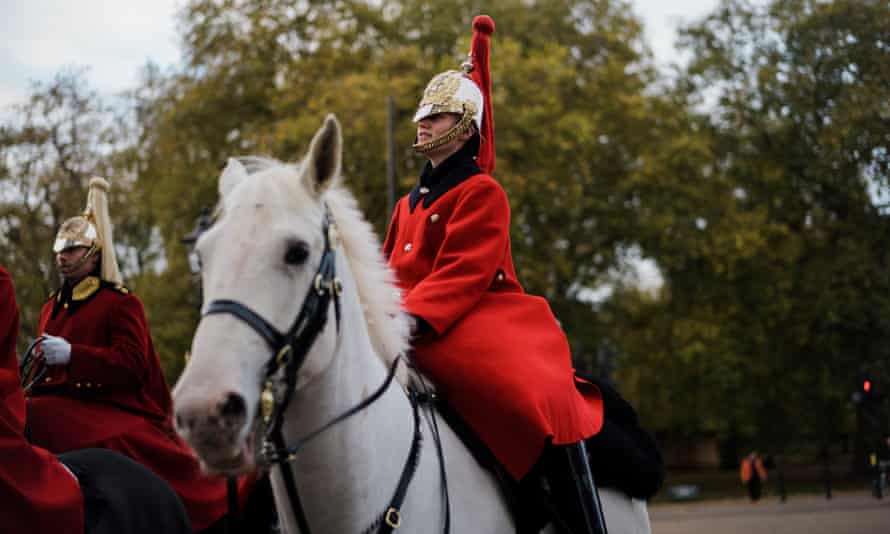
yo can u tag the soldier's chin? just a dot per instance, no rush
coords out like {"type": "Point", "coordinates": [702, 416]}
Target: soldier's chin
{"type": "Point", "coordinates": [67, 274]}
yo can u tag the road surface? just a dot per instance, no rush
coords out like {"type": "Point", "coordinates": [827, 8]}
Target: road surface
{"type": "Point", "coordinates": [846, 513]}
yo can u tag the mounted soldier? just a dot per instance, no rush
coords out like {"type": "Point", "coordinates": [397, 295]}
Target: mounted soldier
{"type": "Point", "coordinates": [103, 385]}
{"type": "Point", "coordinates": [496, 353]}
{"type": "Point", "coordinates": [91, 491]}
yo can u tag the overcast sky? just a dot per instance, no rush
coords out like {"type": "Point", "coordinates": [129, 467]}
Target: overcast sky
{"type": "Point", "coordinates": [115, 38]}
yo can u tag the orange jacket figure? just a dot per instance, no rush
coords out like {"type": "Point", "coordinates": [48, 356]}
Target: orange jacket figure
{"type": "Point", "coordinates": [497, 353]}
{"type": "Point", "coordinates": [751, 464]}
{"type": "Point", "coordinates": [37, 494]}
{"type": "Point", "coordinates": [104, 387]}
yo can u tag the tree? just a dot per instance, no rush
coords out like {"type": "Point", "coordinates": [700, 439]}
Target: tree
{"type": "Point", "coordinates": [766, 227]}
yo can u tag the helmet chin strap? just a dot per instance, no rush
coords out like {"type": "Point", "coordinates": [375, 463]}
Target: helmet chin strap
{"type": "Point", "coordinates": [463, 125]}
{"type": "Point", "coordinates": [86, 257]}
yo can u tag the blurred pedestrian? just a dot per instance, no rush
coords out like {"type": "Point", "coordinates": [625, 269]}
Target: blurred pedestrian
{"type": "Point", "coordinates": [753, 474]}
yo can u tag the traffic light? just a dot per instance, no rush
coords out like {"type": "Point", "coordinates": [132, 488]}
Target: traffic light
{"type": "Point", "coordinates": [865, 393]}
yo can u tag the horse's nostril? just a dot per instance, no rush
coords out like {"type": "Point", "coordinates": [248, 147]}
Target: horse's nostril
{"type": "Point", "coordinates": [185, 423]}
{"type": "Point", "coordinates": [233, 406]}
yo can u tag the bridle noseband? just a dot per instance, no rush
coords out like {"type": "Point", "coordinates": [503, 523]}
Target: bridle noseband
{"type": "Point", "coordinates": [289, 350]}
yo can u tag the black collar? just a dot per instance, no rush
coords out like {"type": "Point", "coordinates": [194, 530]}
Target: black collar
{"type": "Point", "coordinates": [436, 181]}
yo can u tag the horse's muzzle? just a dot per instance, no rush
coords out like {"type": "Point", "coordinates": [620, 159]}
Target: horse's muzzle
{"type": "Point", "coordinates": [216, 431]}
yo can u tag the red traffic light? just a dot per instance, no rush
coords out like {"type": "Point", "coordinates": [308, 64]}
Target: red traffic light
{"type": "Point", "coordinates": [866, 386]}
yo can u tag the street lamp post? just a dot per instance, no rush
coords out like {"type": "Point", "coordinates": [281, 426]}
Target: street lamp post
{"type": "Point", "coordinates": [202, 223]}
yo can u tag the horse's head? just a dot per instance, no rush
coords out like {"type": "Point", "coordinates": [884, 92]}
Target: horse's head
{"type": "Point", "coordinates": [263, 254]}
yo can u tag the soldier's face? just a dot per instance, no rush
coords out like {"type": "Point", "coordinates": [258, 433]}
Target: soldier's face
{"type": "Point", "coordinates": [435, 126]}
{"type": "Point", "coordinates": [73, 264]}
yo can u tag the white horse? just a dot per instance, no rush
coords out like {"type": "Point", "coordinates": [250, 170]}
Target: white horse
{"type": "Point", "coordinates": [264, 252]}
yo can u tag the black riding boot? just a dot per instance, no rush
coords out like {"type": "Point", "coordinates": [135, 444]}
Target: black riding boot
{"type": "Point", "coordinates": [573, 492]}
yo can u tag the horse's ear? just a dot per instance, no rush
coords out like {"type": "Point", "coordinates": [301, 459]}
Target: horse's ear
{"type": "Point", "coordinates": [231, 176]}
{"type": "Point", "coordinates": [322, 163]}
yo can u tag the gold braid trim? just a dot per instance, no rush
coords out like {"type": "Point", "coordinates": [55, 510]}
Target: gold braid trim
{"type": "Point", "coordinates": [464, 124]}
{"type": "Point", "coordinates": [85, 288]}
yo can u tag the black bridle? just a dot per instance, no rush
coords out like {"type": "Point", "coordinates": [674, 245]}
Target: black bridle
{"type": "Point", "coordinates": [289, 351]}
{"type": "Point", "coordinates": [31, 361]}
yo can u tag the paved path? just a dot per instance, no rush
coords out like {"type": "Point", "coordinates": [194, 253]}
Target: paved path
{"type": "Point", "coordinates": [846, 513]}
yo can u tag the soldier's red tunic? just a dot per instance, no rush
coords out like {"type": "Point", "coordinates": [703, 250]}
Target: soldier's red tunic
{"type": "Point", "coordinates": [37, 494]}
{"type": "Point", "coordinates": [113, 395]}
{"type": "Point", "coordinates": [497, 353]}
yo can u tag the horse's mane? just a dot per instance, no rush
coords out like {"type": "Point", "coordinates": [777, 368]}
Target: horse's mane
{"type": "Point", "coordinates": [377, 290]}
{"type": "Point", "coordinates": [378, 293]}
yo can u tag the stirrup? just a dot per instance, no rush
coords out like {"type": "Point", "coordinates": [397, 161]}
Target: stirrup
{"type": "Point", "coordinates": [588, 494]}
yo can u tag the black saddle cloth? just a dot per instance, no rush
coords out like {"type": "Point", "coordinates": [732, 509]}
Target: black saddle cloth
{"type": "Point", "coordinates": [623, 455]}
{"type": "Point", "coordinates": [123, 497]}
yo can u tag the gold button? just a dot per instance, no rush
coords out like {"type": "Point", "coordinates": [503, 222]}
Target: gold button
{"type": "Point", "coordinates": [500, 277]}
{"type": "Point", "coordinates": [48, 379]}
{"type": "Point", "coordinates": [89, 385]}
{"type": "Point", "coordinates": [434, 217]}
{"type": "Point", "coordinates": [408, 247]}
{"type": "Point", "coordinates": [424, 190]}
{"type": "Point", "coordinates": [65, 305]}
{"type": "Point", "coordinates": [77, 385]}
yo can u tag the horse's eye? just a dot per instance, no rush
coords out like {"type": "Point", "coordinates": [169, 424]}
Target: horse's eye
{"type": "Point", "coordinates": [296, 253]}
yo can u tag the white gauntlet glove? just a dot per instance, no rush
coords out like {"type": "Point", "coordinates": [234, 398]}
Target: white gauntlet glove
{"type": "Point", "coordinates": [56, 351]}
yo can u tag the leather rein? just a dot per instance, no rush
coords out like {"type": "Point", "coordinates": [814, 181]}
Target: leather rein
{"type": "Point", "coordinates": [289, 351]}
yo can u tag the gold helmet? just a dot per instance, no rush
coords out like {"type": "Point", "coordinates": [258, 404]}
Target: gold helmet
{"type": "Point", "coordinates": [77, 231]}
{"type": "Point", "coordinates": [450, 92]}
{"type": "Point", "coordinates": [466, 92]}
{"type": "Point", "coordinates": [92, 229]}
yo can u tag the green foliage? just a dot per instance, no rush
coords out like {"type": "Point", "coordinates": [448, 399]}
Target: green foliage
{"type": "Point", "coordinates": [761, 219]}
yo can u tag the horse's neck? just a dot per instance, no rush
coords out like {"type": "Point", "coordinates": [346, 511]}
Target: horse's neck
{"type": "Point", "coordinates": [340, 474]}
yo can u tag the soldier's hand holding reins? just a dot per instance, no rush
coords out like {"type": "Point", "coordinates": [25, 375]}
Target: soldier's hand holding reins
{"type": "Point", "coordinates": [56, 351]}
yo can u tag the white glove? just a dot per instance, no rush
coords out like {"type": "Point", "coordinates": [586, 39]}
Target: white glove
{"type": "Point", "coordinates": [56, 351]}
